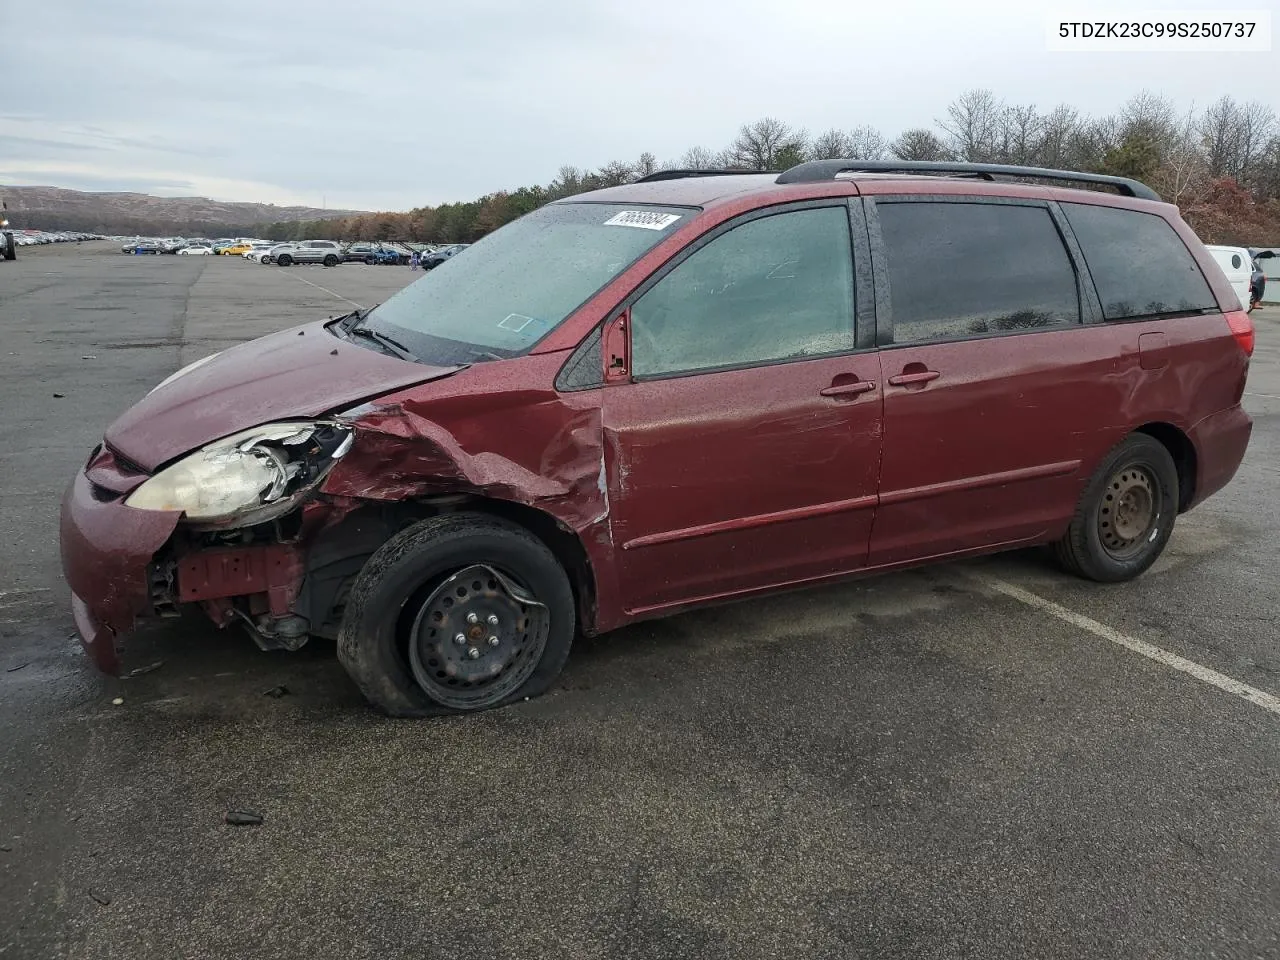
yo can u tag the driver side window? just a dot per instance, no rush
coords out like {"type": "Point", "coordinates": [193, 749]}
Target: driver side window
{"type": "Point", "coordinates": [773, 289]}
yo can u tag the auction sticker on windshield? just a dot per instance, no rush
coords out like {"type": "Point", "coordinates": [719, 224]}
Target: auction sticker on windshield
{"type": "Point", "coordinates": [643, 219]}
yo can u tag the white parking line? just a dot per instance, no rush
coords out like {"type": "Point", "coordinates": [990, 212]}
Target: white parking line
{"type": "Point", "coordinates": [1267, 396]}
{"type": "Point", "coordinates": [358, 306]}
{"type": "Point", "coordinates": [1255, 696]}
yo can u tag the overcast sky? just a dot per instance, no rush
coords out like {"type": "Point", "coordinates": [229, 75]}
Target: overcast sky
{"type": "Point", "coordinates": [387, 104]}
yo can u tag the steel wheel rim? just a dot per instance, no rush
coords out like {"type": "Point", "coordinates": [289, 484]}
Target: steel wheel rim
{"type": "Point", "coordinates": [477, 672]}
{"type": "Point", "coordinates": [1129, 511]}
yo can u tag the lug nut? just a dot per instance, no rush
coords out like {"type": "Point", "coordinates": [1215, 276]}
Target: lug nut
{"type": "Point", "coordinates": [493, 620]}
{"type": "Point", "coordinates": [459, 638]}
{"type": "Point", "coordinates": [474, 653]}
{"type": "Point", "coordinates": [493, 641]}
{"type": "Point", "coordinates": [472, 618]}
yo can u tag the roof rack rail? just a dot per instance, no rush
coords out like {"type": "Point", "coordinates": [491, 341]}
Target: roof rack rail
{"type": "Point", "coordinates": [682, 174]}
{"type": "Point", "coordinates": [816, 171]}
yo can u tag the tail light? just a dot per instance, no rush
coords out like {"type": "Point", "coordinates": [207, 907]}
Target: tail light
{"type": "Point", "coordinates": [1242, 329]}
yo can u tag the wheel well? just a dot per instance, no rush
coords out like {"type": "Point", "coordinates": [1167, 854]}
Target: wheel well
{"type": "Point", "coordinates": [1183, 452]}
{"type": "Point", "coordinates": [561, 541]}
{"type": "Point", "coordinates": [340, 552]}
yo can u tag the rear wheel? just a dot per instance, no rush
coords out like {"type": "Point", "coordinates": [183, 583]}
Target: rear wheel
{"type": "Point", "coordinates": [284, 260]}
{"type": "Point", "coordinates": [456, 614]}
{"type": "Point", "coordinates": [370, 260]}
{"type": "Point", "coordinates": [330, 260]}
{"type": "Point", "coordinates": [1126, 514]}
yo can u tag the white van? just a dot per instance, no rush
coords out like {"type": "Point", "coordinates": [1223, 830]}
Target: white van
{"type": "Point", "coordinates": [1238, 266]}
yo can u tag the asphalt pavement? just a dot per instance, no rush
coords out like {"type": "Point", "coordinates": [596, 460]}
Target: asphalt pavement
{"type": "Point", "coordinates": [982, 759]}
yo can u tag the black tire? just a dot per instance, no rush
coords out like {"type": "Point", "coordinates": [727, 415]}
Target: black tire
{"type": "Point", "coordinates": [1109, 539]}
{"type": "Point", "coordinates": [284, 260]}
{"type": "Point", "coordinates": [330, 260]}
{"type": "Point", "coordinates": [9, 245]}
{"type": "Point", "coordinates": [386, 610]}
{"type": "Point", "coordinates": [370, 260]}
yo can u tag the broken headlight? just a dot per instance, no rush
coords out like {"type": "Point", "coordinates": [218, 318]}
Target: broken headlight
{"type": "Point", "coordinates": [247, 478]}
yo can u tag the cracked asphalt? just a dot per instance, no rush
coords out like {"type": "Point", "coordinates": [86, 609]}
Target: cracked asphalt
{"type": "Point", "coordinates": [915, 765]}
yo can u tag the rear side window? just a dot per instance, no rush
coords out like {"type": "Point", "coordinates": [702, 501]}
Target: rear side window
{"type": "Point", "coordinates": [1139, 264]}
{"type": "Point", "coordinates": [975, 269]}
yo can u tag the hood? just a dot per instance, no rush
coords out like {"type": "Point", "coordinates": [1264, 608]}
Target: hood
{"type": "Point", "coordinates": [302, 372]}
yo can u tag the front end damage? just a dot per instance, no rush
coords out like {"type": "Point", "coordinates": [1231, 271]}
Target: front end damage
{"type": "Point", "coordinates": [285, 570]}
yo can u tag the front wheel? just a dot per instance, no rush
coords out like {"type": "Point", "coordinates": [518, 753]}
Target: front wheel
{"type": "Point", "coordinates": [1125, 516]}
{"type": "Point", "coordinates": [284, 260]}
{"type": "Point", "coordinates": [330, 260]}
{"type": "Point", "coordinates": [455, 614]}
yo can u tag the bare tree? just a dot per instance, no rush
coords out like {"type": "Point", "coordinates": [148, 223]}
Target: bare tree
{"type": "Point", "coordinates": [860, 143]}
{"type": "Point", "coordinates": [614, 174]}
{"type": "Point", "coordinates": [867, 143]}
{"type": "Point", "coordinates": [1257, 124]}
{"type": "Point", "coordinates": [567, 182]}
{"type": "Point", "coordinates": [1020, 135]}
{"type": "Point", "coordinates": [972, 125]}
{"type": "Point", "coordinates": [832, 145]}
{"type": "Point", "coordinates": [1150, 119]}
{"type": "Point", "coordinates": [1184, 170]}
{"type": "Point", "coordinates": [919, 144]}
{"type": "Point", "coordinates": [698, 158]}
{"type": "Point", "coordinates": [764, 144]}
{"type": "Point", "coordinates": [1061, 127]}
{"type": "Point", "coordinates": [646, 165]}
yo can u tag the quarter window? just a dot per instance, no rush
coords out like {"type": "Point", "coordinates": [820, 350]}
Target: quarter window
{"type": "Point", "coordinates": [975, 269]}
{"type": "Point", "coordinates": [773, 289]}
{"type": "Point", "coordinates": [1138, 262]}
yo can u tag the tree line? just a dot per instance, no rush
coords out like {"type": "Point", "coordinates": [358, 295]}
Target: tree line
{"type": "Point", "coordinates": [1220, 164]}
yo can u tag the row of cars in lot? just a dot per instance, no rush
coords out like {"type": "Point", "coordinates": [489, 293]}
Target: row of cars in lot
{"type": "Point", "coordinates": [329, 253]}
{"type": "Point", "coordinates": [10, 240]}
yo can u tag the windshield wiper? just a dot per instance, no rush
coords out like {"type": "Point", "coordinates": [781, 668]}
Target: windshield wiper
{"type": "Point", "coordinates": [394, 346]}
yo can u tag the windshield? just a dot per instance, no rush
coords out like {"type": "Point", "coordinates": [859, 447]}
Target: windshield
{"type": "Point", "coordinates": [498, 297]}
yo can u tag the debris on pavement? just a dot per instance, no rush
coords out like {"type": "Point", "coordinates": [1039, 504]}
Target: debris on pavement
{"type": "Point", "coordinates": [277, 692]}
{"type": "Point", "coordinates": [139, 671]}
{"type": "Point", "coordinates": [17, 668]}
{"type": "Point", "coordinates": [243, 818]}
{"type": "Point", "coordinates": [59, 395]}
{"type": "Point", "coordinates": [117, 701]}
{"type": "Point", "coordinates": [100, 898]}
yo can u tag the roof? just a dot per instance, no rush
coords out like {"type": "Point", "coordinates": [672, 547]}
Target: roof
{"type": "Point", "coordinates": [686, 192]}
{"type": "Point", "coordinates": [816, 178]}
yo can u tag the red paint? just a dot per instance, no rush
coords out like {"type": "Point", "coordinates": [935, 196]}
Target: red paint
{"type": "Point", "coordinates": [271, 569]}
{"type": "Point", "coordinates": [286, 375]}
{"type": "Point", "coordinates": [690, 489]}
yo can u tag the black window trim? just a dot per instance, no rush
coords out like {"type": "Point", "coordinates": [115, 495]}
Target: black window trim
{"type": "Point", "coordinates": [759, 213]}
{"type": "Point", "coordinates": [1096, 297]}
{"type": "Point", "coordinates": [1086, 296]}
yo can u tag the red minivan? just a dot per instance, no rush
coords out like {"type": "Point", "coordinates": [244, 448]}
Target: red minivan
{"type": "Point", "coordinates": [689, 389]}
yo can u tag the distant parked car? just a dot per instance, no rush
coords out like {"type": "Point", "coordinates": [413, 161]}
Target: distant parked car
{"type": "Point", "coordinates": [256, 250]}
{"type": "Point", "coordinates": [1238, 266]}
{"type": "Point", "coordinates": [196, 250]}
{"type": "Point", "coordinates": [309, 251]}
{"type": "Point", "coordinates": [172, 245]}
{"type": "Point", "coordinates": [141, 246]}
{"type": "Point", "coordinates": [1258, 279]}
{"type": "Point", "coordinates": [433, 260]}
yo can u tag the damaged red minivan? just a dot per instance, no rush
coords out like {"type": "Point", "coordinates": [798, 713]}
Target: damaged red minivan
{"type": "Point", "coordinates": [692, 388]}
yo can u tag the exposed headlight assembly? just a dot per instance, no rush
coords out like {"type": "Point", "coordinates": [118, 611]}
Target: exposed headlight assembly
{"type": "Point", "coordinates": [249, 477]}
